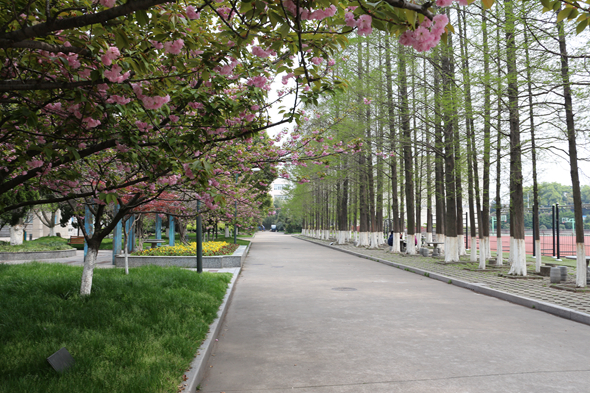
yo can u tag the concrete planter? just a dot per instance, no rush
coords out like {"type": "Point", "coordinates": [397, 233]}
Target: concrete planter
{"type": "Point", "coordinates": [37, 255]}
{"type": "Point", "coordinates": [234, 260]}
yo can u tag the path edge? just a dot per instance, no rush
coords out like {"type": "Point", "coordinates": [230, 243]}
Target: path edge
{"type": "Point", "coordinates": [198, 367]}
{"type": "Point", "coordinates": [553, 309]}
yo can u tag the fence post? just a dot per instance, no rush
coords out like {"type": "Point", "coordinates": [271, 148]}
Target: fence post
{"type": "Point", "coordinates": [557, 230]}
{"type": "Point", "coordinates": [553, 228]}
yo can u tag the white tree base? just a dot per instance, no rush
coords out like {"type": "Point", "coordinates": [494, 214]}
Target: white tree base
{"type": "Point", "coordinates": [499, 252]}
{"type": "Point", "coordinates": [581, 269]}
{"type": "Point", "coordinates": [518, 251]}
{"type": "Point", "coordinates": [482, 252]}
{"type": "Point", "coordinates": [473, 251]}
{"type": "Point", "coordinates": [461, 244]}
{"type": "Point", "coordinates": [363, 240]}
{"type": "Point", "coordinates": [428, 237]}
{"type": "Point", "coordinates": [441, 239]}
{"type": "Point", "coordinates": [411, 244]}
{"type": "Point", "coordinates": [88, 272]}
{"type": "Point", "coordinates": [16, 235]}
{"type": "Point", "coordinates": [451, 249]}
{"type": "Point", "coordinates": [395, 245]}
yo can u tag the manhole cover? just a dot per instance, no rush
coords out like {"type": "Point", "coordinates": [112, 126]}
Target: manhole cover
{"type": "Point", "coordinates": [344, 289]}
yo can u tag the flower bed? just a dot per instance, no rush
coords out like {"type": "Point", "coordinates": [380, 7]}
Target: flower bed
{"type": "Point", "coordinates": [209, 249]}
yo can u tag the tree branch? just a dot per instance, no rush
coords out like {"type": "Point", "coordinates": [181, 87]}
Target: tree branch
{"type": "Point", "coordinates": [44, 46]}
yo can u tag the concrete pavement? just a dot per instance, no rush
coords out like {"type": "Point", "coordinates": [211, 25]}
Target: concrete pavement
{"type": "Point", "coordinates": [290, 328]}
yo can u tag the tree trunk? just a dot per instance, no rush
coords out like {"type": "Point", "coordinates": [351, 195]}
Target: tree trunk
{"type": "Point", "coordinates": [393, 147]}
{"type": "Point", "coordinates": [517, 249]}
{"type": "Point", "coordinates": [451, 244]}
{"type": "Point", "coordinates": [407, 137]}
{"type": "Point", "coordinates": [536, 226]}
{"type": "Point", "coordinates": [581, 265]}
{"type": "Point", "coordinates": [499, 249]}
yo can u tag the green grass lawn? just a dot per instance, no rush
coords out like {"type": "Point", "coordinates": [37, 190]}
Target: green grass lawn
{"type": "Point", "coordinates": [48, 243]}
{"type": "Point", "coordinates": [134, 333]}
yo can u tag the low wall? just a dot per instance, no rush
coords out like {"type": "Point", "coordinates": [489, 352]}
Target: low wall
{"type": "Point", "coordinates": [37, 255]}
{"type": "Point", "coordinates": [234, 260]}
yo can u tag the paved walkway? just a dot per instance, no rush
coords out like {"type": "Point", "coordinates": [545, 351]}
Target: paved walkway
{"type": "Point", "coordinates": [289, 329]}
{"type": "Point", "coordinates": [538, 289]}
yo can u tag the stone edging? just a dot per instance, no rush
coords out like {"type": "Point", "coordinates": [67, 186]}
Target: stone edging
{"type": "Point", "coordinates": [559, 311]}
{"type": "Point", "coordinates": [215, 262]}
{"type": "Point", "coordinates": [34, 255]}
{"type": "Point", "coordinates": [196, 372]}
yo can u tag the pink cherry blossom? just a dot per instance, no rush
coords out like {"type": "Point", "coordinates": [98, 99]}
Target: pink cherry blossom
{"type": "Point", "coordinates": [441, 19]}
{"type": "Point", "coordinates": [443, 3]}
{"type": "Point", "coordinates": [191, 13]}
{"type": "Point", "coordinates": [317, 60]}
{"type": "Point", "coordinates": [257, 81]}
{"type": "Point", "coordinates": [349, 20]}
{"type": "Point", "coordinates": [257, 51]}
{"type": "Point", "coordinates": [364, 25]}
{"type": "Point", "coordinates": [111, 54]}
{"type": "Point", "coordinates": [173, 47]}
{"type": "Point", "coordinates": [108, 3]}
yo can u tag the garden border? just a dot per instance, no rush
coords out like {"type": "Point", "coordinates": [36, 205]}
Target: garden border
{"type": "Point", "coordinates": [37, 255]}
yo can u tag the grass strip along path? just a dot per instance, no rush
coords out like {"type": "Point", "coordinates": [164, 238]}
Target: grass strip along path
{"type": "Point", "coordinates": [134, 333]}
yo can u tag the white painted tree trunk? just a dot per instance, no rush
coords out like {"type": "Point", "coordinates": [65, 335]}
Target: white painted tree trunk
{"type": "Point", "coordinates": [226, 231]}
{"type": "Point", "coordinates": [52, 231]}
{"type": "Point", "coordinates": [428, 237]}
{"type": "Point", "coordinates": [411, 245]}
{"type": "Point", "coordinates": [482, 253]}
{"type": "Point", "coordinates": [581, 269]}
{"type": "Point", "coordinates": [441, 239]}
{"type": "Point", "coordinates": [363, 239]}
{"type": "Point", "coordinates": [461, 244]}
{"type": "Point", "coordinates": [395, 244]}
{"type": "Point", "coordinates": [473, 251]}
{"type": "Point", "coordinates": [126, 261]}
{"type": "Point", "coordinates": [518, 266]}
{"type": "Point", "coordinates": [512, 251]}
{"type": "Point", "coordinates": [16, 234]}
{"type": "Point", "coordinates": [327, 234]}
{"type": "Point", "coordinates": [538, 256]}
{"type": "Point", "coordinates": [451, 249]}
{"type": "Point", "coordinates": [373, 242]}
{"type": "Point", "coordinates": [499, 252]}
{"type": "Point", "coordinates": [88, 272]}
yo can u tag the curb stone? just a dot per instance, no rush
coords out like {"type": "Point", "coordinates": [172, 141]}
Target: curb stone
{"type": "Point", "coordinates": [196, 371]}
{"type": "Point", "coordinates": [559, 311]}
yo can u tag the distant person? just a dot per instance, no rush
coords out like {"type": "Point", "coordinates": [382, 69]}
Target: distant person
{"type": "Point", "coordinates": [263, 229]}
{"type": "Point", "coordinates": [390, 239]}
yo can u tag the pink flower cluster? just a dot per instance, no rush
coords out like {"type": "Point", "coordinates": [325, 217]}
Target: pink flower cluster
{"type": "Point", "coordinates": [446, 3]}
{"type": "Point", "coordinates": [258, 51]}
{"type": "Point", "coordinates": [257, 81]}
{"type": "Point", "coordinates": [191, 12]}
{"type": "Point", "coordinates": [363, 23]}
{"type": "Point", "coordinates": [153, 103]}
{"type": "Point", "coordinates": [173, 47]}
{"type": "Point", "coordinates": [287, 77]}
{"type": "Point", "coordinates": [111, 54]}
{"type": "Point", "coordinates": [108, 3]}
{"type": "Point", "coordinates": [308, 15]}
{"type": "Point", "coordinates": [119, 100]}
{"type": "Point", "coordinates": [114, 74]}
{"type": "Point", "coordinates": [427, 35]}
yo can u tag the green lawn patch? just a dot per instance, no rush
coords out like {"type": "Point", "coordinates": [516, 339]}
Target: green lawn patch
{"type": "Point", "coordinates": [134, 333]}
{"type": "Point", "coordinates": [48, 243]}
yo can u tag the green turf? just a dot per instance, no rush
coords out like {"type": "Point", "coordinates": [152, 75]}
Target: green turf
{"type": "Point", "coordinates": [134, 333]}
{"type": "Point", "coordinates": [48, 243]}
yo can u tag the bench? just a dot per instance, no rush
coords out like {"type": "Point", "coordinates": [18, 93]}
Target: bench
{"type": "Point", "coordinates": [76, 240]}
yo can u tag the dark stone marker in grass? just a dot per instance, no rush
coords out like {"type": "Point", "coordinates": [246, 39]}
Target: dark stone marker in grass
{"type": "Point", "coordinates": [61, 360]}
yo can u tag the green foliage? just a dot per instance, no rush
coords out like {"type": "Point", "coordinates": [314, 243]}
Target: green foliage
{"type": "Point", "coordinates": [134, 333]}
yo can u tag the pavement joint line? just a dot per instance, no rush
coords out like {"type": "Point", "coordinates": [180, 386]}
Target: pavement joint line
{"type": "Point", "coordinates": [543, 372]}
{"type": "Point", "coordinates": [198, 367]}
{"type": "Point", "coordinates": [550, 308]}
